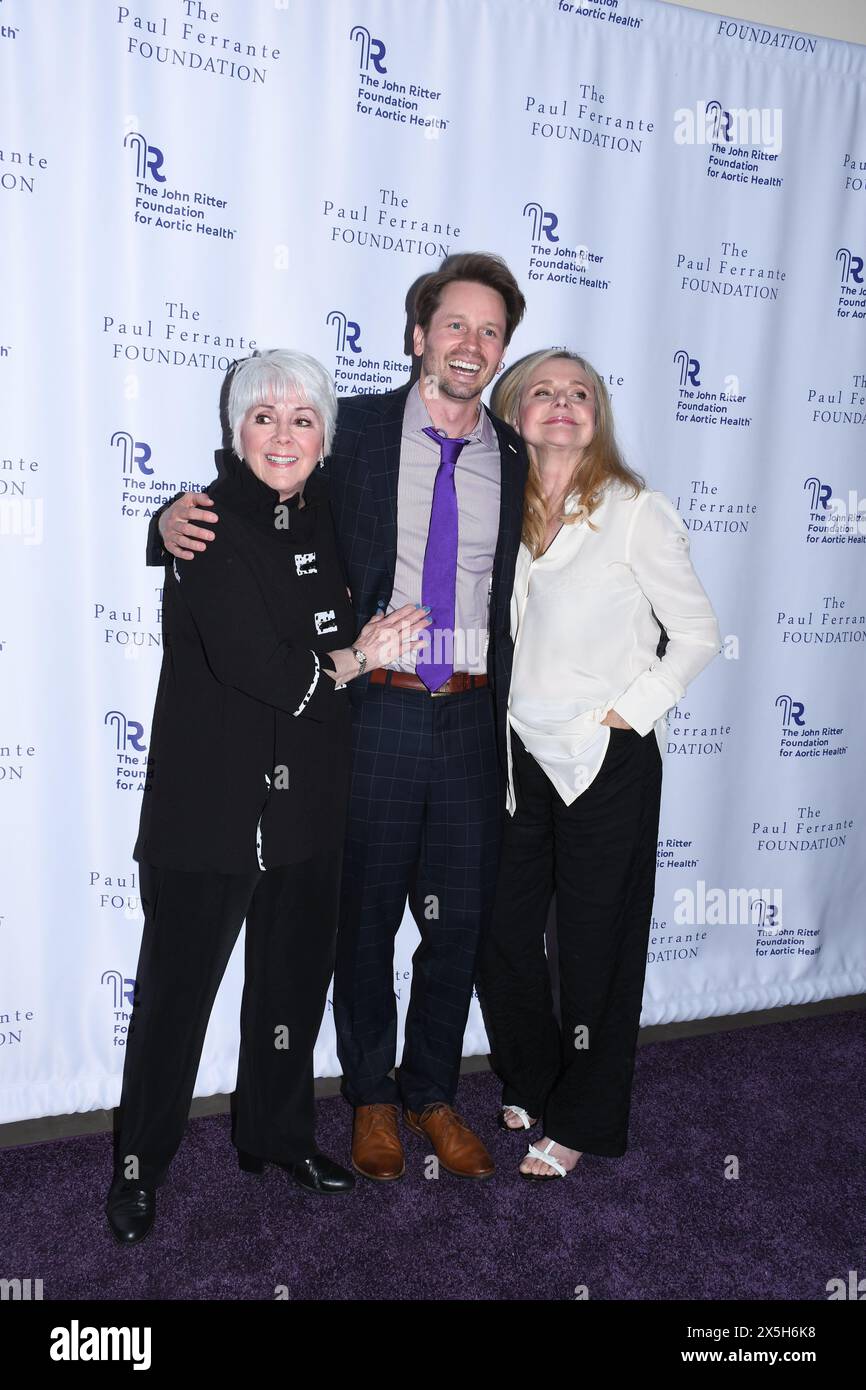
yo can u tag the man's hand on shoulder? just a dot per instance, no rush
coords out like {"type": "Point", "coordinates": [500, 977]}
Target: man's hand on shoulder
{"type": "Point", "coordinates": [180, 535]}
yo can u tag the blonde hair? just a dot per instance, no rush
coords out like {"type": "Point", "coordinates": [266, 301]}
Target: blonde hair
{"type": "Point", "coordinates": [601, 461]}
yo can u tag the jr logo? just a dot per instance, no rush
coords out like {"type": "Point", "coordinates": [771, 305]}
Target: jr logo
{"type": "Point", "coordinates": [348, 332]}
{"type": "Point", "coordinates": [135, 453]}
{"type": "Point", "coordinates": [821, 493]}
{"type": "Point", "coordinates": [543, 223]}
{"type": "Point", "coordinates": [124, 989]}
{"type": "Point", "coordinates": [689, 368]}
{"type": "Point", "coordinates": [765, 914]}
{"type": "Point", "coordinates": [127, 731]}
{"type": "Point", "coordinates": [793, 711]}
{"type": "Point", "coordinates": [372, 50]}
{"type": "Point", "coordinates": [148, 159]}
{"type": "Point", "coordinates": [719, 121]}
{"type": "Point", "coordinates": [852, 267]}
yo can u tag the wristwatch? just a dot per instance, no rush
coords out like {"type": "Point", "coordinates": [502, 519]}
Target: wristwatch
{"type": "Point", "coordinates": [361, 658]}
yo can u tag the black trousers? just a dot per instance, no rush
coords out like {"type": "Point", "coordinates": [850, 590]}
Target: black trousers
{"type": "Point", "coordinates": [424, 820]}
{"type": "Point", "coordinates": [598, 855]}
{"type": "Point", "coordinates": [191, 925]}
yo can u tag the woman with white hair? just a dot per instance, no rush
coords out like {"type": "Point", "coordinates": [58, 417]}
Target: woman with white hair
{"type": "Point", "coordinates": [246, 794]}
{"type": "Point", "coordinates": [603, 566]}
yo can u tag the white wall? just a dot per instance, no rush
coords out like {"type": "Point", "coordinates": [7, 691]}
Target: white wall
{"type": "Point", "coordinates": [835, 19]}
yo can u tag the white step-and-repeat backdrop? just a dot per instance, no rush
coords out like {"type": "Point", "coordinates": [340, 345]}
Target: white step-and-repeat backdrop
{"type": "Point", "coordinates": [681, 196]}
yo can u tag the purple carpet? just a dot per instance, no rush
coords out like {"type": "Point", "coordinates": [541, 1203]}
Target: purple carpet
{"type": "Point", "coordinates": [786, 1100]}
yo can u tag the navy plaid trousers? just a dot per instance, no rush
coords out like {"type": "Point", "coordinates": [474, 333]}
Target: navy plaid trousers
{"type": "Point", "coordinates": [425, 818]}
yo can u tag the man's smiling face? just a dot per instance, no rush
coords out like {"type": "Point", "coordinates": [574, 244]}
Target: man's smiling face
{"type": "Point", "coordinates": [463, 344]}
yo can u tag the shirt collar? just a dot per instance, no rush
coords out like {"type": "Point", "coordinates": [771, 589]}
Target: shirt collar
{"type": "Point", "coordinates": [573, 501]}
{"type": "Point", "coordinates": [416, 417]}
{"type": "Point", "coordinates": [256, 497]}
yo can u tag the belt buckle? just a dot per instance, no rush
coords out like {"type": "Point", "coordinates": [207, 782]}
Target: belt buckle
{"type": "Point", "coordinates": [467, 686]}
{"type": "Point", "coordinates": [436, 693]}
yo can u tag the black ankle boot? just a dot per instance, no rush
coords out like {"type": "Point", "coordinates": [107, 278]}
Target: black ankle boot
{"type": "Point", "coordinates": [131, 1210]}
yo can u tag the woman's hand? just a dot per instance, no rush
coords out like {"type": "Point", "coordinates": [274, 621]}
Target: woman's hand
{"type": "Point", "coordinates": [614, 720]}
{"type": "Point", "coordinates": [383, 639]}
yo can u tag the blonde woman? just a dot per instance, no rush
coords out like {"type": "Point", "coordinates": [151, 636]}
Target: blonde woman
{"type": "Point", "coordinates": [603, 567]}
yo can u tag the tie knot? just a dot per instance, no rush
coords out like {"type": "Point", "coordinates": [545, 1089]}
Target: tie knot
{"type": "Point", "coordinates": [450, 447]}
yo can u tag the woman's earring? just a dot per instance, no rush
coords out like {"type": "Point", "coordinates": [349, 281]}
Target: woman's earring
{"type": "Point", "coordinates": [322, 461]}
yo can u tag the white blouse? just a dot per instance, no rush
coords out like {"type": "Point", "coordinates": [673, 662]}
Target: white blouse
{"type": "Point", "coordinates": [585, 623]}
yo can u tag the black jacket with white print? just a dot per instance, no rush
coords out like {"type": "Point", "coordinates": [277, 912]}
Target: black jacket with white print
{"type": "Point", "coordinates": [249, 757]}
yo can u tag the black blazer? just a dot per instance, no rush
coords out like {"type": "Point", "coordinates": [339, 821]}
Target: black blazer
{"type": "Point", "coordinates": [362, 471]}
{"type": "Point", "coordinates": [249, 757]}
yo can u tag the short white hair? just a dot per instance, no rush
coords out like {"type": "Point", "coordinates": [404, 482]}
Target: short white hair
{"type": "Point", "coordinates": [273, 375]}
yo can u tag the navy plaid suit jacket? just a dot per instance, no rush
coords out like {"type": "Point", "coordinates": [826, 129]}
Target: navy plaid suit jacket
{"type": "Point", "coordinates": [362, 470]}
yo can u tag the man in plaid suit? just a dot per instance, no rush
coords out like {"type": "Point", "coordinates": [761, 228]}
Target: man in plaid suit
{"type": "Point", "coordinates": [428, 753]}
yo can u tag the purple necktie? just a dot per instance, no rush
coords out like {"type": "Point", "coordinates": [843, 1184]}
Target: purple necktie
{"type": "Point", "coordinates": [439, 577]}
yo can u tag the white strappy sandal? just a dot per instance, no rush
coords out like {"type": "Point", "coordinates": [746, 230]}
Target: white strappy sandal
{"type": "Point", "coordinates": [523, 1115]}
{"type": "Point", "coordinates": [547, 1157]}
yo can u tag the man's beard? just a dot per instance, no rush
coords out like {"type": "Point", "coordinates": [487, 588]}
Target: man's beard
{"type": "Point", "coordinates": [459, 390]}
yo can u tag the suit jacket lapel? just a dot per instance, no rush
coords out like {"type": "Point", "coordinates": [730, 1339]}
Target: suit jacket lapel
{"type": "Point", "coordinates": [383, 460]}
{"type": "Point", "coordinates": [512, 483]}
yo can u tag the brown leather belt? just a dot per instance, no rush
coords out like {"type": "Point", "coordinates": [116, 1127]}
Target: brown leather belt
{"type": "Point", "coordinates": [404, 680]}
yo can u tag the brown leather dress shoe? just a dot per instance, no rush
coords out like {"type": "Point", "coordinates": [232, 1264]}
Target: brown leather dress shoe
{"type": "Point", "coordinates": [376, 1149]}
{"type": "Point", "coordinates": [455, 1146]}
